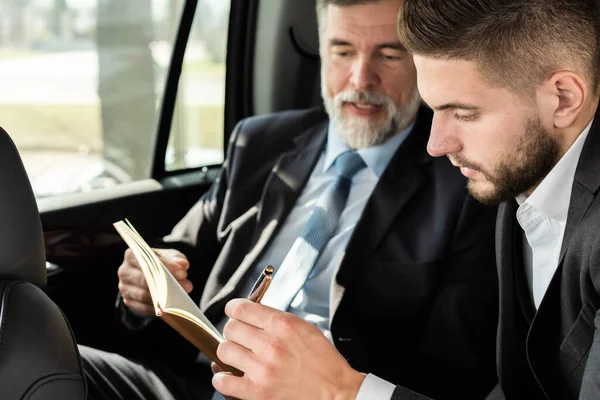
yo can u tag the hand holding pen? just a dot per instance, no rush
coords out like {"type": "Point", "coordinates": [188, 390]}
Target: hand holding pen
{"type": "Point", "coordinates": [281, 355]}
{"type": "Point", "coordinates": [256, 294]}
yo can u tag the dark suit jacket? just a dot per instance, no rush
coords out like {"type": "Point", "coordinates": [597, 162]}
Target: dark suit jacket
{"type": "Point", "coordinates": [415, 296]}
{"type": "Point", "coordinates": [554, 353]}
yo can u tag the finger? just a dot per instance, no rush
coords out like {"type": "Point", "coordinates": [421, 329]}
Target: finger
{"type": "Point", "coordinates": [140, 308]}
{"type": "Point", "coordinates": [178, 272]}
{"type": "Point", "coordinates": [231, 386]}
{"type": "Point", "coordinates": [214, 367]}
{"type": "Point", "coordinates": [173, 259]}
{"type": "Point", "coordinates": [130, 259]}
{"type": "Point", "coordinates": [131, 292]}
{"type": "Point", "coordinates": [248, 336]}
{"type": "Point", "coordinates": [131, 276]}
{"type": "Point", "coordinates": [237, 356]}
{"type": "Point", "coordinates": [252, 313]}
{"type": "Point", "coordinates": [186, 285]}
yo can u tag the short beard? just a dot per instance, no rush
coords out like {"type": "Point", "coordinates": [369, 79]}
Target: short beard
{"type": "Point", "coordinates": [536, 153]}
{"type": "Point", "coordinates": [360, 133]}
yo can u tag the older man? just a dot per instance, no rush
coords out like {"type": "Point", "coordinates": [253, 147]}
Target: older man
{"type": "Point", "coordinates": [384, 263]}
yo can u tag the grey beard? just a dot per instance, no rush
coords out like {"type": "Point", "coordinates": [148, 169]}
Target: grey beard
{"type": "Point", "coordinates": [360, 133]}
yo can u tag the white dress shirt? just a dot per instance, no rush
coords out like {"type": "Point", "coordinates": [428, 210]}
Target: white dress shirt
{"type": "Point", "coordinates": [543, 217]}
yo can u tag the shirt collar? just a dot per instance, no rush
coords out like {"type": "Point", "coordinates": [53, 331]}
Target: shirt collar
{"type": "Point", "coordinates": [553, 195]}
{"type": "Point", "coordinates": [376, 157]}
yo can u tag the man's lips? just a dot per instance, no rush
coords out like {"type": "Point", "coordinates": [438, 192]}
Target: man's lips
{"type": "Point", "coordinates": [468, 172]}
{"type": "Point", "coordinates": [363, 109]}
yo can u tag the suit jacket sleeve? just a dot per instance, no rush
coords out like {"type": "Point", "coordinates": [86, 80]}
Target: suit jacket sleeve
{"type": "Point", "coordinates": [590, 384]}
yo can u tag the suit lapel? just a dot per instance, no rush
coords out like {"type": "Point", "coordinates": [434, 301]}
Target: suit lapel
{"type": "Point", "coordinates": [286, 181]}
{"type": "Point", "coordinates": [399, 182]}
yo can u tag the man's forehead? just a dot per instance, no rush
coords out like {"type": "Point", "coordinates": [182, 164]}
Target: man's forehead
{"type": "Point", "coordinates": [442, 78]}
{"type": "Point", "coordinates": [372, 19]}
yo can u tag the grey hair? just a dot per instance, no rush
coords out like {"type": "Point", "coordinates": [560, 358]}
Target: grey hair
{"type": "Point", "coordinates": [323, 4]}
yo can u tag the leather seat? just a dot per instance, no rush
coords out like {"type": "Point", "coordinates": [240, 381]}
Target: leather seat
{"type": "Point", "coordinates": [38, 353]}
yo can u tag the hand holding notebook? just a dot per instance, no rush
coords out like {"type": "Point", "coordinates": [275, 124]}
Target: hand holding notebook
{"type": "Point", "coordinates": [170, 301]}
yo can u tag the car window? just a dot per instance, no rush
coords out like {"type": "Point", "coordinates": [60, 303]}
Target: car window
{"type": "Point", "coordinates": [82, 86]}
{"type": "Point", "coordinates": [197, 129]}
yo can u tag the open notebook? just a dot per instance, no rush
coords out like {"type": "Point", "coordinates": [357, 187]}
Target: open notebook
{"type": "Point", "coordinates": [171, 303]}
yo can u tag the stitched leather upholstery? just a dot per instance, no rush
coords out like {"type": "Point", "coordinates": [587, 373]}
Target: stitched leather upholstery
{"type": "Point", "coordinates": [38, 353]}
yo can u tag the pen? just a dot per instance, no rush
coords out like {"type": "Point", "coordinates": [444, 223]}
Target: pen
{"type": "Point", "coordinates": [262, 284]}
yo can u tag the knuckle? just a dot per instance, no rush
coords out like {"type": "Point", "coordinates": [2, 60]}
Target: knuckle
{"type": "Point", "coordinates": [134, 294]}
{"type": "Point", "coordinates": [285, 323]}
{"type": "Point", "coordinates": [140, 280]}
{"type": "Point", "coordinates": [139, 295]}
{"type": "Point", "coordinates": [265, 373]}
{"type": "Point", "coordinates": [229, 328]}
{"type": "Point", "coordinates": [238, 309]}
{"type": "Point", "coordinates": [224, 350]}
{"type": "Point", "coordinates": [129, 257]}
{"type": "Point", "coordinates": [272, 349]}
{"type": "Point", "coordinates": [122, 271]}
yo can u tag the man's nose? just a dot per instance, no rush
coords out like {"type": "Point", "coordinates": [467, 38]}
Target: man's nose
{"type": "Point", "coordinates": [364, 75]}
{"type": "Point", "coordinates": [443, 139]}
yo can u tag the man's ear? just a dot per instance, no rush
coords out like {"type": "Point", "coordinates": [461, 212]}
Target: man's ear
{"type": "Point", "coordinates": [569, 91]}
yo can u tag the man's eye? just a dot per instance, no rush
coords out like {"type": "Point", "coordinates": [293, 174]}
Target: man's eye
{"type": "Point", "coordinates": [388, 57]}
{"type": "Point", "coordinates": [465, 118]}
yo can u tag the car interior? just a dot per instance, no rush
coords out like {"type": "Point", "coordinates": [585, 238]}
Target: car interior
{"type": "Point", "coordinates": [38, 352]}
{"type": "Point", "coordinates": [272, 64]}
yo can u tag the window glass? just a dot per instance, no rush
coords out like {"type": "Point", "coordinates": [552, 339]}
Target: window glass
{"type": "Point", "coordinates": [197, 130]}
{"type": "Point", "coordinates": [81, 84]}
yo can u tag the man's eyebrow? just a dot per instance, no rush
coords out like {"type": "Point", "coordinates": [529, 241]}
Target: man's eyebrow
{"type": "Point", "coordinates": [456, 105]}
{"type": "Point", "coordinates": [339, 42]}
{"type": "Point", "coordinates": [392, 46]}
{"type": "Point", "coordinates": [386, 45]}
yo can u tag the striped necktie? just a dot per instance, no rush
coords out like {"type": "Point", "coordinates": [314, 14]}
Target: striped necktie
{"type": "Point", "coordinates": [297, 265]}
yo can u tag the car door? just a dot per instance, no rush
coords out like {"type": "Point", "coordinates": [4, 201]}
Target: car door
{"type": "Point", "coordinates": [123, 110]}
{"type": "Point", "coordinates": [118, 110]}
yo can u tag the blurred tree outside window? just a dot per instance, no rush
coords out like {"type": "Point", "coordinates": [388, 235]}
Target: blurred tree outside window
{"type": "Point", "coordinates": [82, 81]}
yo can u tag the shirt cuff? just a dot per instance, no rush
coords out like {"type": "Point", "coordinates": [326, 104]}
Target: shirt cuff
{"type": "Point", "coordinates": [375, 388]}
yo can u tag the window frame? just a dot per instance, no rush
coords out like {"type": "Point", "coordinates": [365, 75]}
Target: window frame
{"type": "Point", "coordinates": [238, 80]}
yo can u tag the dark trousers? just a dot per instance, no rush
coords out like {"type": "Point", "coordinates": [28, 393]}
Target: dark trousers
{"type": "Point", "coordinates": [110, 376]}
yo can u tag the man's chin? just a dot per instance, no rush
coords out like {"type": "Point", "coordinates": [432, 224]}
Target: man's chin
{"type": "Point", "coordinates": [485, 192]}
{"type": "Point", "coordinates": [350, 118]}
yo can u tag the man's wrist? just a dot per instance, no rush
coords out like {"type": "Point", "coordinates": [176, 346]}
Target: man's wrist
{"type": "Point", "coordinates": [351, 386]}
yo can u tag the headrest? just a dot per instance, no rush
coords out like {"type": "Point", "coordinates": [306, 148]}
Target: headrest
{"type": "Point", "coordinates": [22, 253]}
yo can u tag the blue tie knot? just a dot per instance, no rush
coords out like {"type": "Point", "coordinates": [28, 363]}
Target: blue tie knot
{"type": "Point", "coordinates": [349, 163]}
